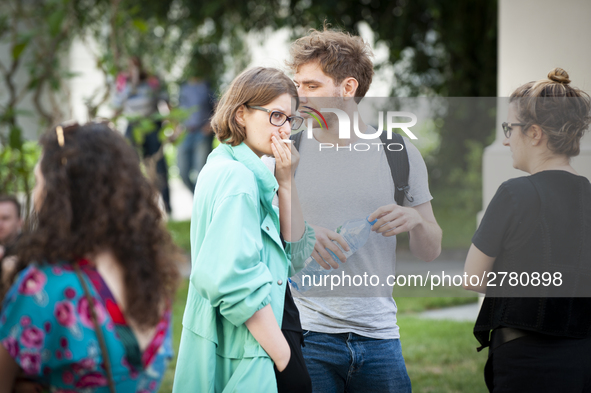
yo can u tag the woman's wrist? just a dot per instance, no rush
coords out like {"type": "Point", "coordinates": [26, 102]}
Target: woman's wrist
{"type": "Point", "coordinates": [284, 185]}
{"type": "Point", "coordinates": [286, 182]}
{"type": "Point", "coordinates": [282, 360]}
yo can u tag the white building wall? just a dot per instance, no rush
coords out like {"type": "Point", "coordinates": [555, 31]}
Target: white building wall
{"type": "Point", "coordinates": [536, 36]}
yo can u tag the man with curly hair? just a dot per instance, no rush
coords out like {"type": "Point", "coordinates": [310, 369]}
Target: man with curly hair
{"type": "Point", "coordinates": [352, 341]}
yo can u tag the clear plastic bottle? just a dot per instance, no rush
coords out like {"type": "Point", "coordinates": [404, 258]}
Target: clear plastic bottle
{"type": "Point", "coordinates": [356, 232]}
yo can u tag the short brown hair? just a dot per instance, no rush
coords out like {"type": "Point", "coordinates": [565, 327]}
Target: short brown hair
{"type": "Point", "coordinates": [339, 54]}
{"type": "Point", "coordinates": [561, 111]}
{"type": "Point", "coordinates": [255, 87]}
{"type": "Point", "coordinates": [12, 199]}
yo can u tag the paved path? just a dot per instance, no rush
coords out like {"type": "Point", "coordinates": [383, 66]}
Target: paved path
{"type": "Point", "coordinates": [450, 262]}
{"type": "Point", "coordinates": [181, 200]}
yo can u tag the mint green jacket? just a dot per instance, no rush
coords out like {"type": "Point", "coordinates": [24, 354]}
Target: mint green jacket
{"type": "Point", "coordinates": [239, 264]}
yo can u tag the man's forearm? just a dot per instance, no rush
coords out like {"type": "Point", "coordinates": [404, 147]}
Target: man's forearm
{"type": "Point", "coordinates": [425, 241]}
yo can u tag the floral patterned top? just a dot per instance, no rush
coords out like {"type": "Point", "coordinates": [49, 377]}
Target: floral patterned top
{"type": "Point", "coordinates": [46, 327]}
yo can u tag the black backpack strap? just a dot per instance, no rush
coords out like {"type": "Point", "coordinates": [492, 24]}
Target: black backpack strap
{"type": "Point", "coordinates": [297, 139]}
{"type": "Point", "coordinates": [399, 166]}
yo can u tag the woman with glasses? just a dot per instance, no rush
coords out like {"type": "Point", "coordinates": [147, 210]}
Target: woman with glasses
{"type": "Point", "coordinates": [90, 309]}
{"type": "Point", "coordinates": [533, 248]}
{"type": "Point", "coordinates": [241, 329]}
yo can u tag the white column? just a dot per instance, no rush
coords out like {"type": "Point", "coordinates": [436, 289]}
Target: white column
{"type": "Point", "coordinates": [534, 37]}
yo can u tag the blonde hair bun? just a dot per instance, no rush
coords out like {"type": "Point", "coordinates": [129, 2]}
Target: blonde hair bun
{"type": "Point", "coordinates": [559, 75]}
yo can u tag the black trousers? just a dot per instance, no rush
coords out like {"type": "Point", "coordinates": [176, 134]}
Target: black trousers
{"type": "Point", "coordinates": [150, 146]}
{"type": "Point", "coordinates": [295, 377]}
{"type": "Point", "coordinates": [540, 363]}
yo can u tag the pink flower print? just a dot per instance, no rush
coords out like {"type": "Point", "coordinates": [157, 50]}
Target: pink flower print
{"type": "Point", "coordinates": [30, 362]}
{"type": "Point", "coordinates": [56, 270]}
{"type": "Point", "coordinates": [58, 354]}
{"type": "Point", "coordinates": [91, 380]}
{"type": "Point", "coordinates": [64, 342]}
{"type": "Point", "coordinates": [25, 321]}
{"type": "Point", "coordinates": [11, 346]}
{"type": "Point", "coordinates": [68, 354]}
{"type": "Point", "coordinates": [33, 282]}
{"type": "Point", "coordinates": [64, 313]}
{"type": "Point", "coordinates": [84, 312]}
{"type": "Point", "coordinates": [153, 385]}
{"type": "Point", "coordinates": [84, 365]}
{"type": "Point", "coordinates": [47, 327]}
{"type": "Point", "coordinates": [87, 363]}
{"type": "Point", "coordinates": [125, 363]}
{"type": "Point", "coordinates": [32, 337]}
{"type": "Point", "coordinates": [68, 378]}
{"type": "Point", "coordinates": [70, 293]}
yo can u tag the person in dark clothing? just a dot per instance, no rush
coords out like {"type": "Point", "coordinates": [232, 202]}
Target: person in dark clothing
{"type": "Point", "coordinates": [196, 94]}
{"type": "Point", "coordinates": [538, 228]}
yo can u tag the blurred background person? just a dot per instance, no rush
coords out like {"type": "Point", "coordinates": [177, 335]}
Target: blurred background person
{"type": "Point", "coordinates": [90, 306]}
{"type": "Point", "coordinates": [196, 95]}
{"type": "Point", "coordinates": [535, 224]}
{"type": "Point", "coordinates": [138, 95]}
{"type": "Point", "coordinates": [11, 224]}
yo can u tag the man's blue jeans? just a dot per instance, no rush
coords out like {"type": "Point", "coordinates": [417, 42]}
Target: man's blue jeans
{"type": "Point", "coordinates": [348, 362]}
{"type": "Point", "coordinates": [192, 155]}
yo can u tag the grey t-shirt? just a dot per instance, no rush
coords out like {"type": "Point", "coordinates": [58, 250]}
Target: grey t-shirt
{"type": "Point", "coordinates": [338, 185]}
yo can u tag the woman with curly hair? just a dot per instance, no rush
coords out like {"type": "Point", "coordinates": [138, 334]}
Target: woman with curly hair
{"type": "Point", "coordinates": [89, 307]}
{"type": "Point", "coordinates": [241, 328]}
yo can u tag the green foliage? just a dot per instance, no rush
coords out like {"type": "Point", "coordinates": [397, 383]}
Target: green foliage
{"type": "Point", "coordinates": [412, 305]}
{"type": "Point", "coordinates": [180, 232]}
{"type": "Point", "coordinates": [435, 48]}
{"type": "Point", "coordinates": [35, 31]}
{"type": "Point", "coordinates": [17, 160]}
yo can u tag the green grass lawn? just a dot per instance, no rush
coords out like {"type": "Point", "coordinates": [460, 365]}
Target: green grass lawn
{"type": "Point", "coordinates": [179, 230]}
{"type": "Point", "coordinates": [440, 355]}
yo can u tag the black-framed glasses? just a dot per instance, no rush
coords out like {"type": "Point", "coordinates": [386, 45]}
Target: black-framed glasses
{"type": "Point", "coordinates": [507, 128]}
{"type": "Point", "coordinates": [278, 119]}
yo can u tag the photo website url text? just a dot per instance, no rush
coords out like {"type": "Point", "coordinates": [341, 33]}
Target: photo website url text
{"type": "Point", "coordinates": [489, 279]}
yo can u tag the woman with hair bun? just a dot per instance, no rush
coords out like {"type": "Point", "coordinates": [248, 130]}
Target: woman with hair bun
{"type": "Point", "coordinates": [241, 328]}
{"type": "Point", "coordinates": [538, 228]}
{"type": "Point", "coordinates": [90, 306]}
